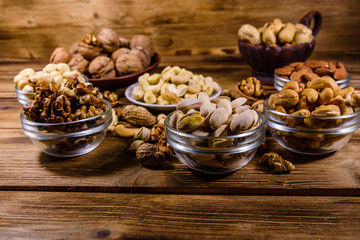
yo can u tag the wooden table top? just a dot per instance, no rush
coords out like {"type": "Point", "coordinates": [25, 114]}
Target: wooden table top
{"type": "Point", "coordinates": [107, 194]}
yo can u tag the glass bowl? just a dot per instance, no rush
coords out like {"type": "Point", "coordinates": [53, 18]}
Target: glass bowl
{"type": "Point", "coordinates": [199, 153]}
{"type": "Point", "coordinates": [68, 139]}
{"type": "Point", "coordinates": [279, 82]}
{"type": "Point", "coordinates": [293, 132]}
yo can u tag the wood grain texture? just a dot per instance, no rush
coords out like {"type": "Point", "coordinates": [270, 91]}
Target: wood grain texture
{"type": "Point", "coordinates": [112, 168]}
{"type": "Point", "coordinates": [52, 215]}
{"type": "Point", "coordinates": [32, 29]}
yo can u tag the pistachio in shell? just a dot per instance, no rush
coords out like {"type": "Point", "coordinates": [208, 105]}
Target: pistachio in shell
{"type": "Point", "coordinates": [242, 122]}
{"type": "Point", "coordinates": [175, 117]}
{"type": "Point", "coordinates": [225, 103]}
{"type": "Point", "coordinates": [218, 117]}
{"type": "Point", "coordinates": [142, 133]}
{"type": "Point", "coordinates": [206, 108]}
{"type": "Point", "coordinates": [186, 104]}
{"type": "Point", "coordinates": [189, 122]}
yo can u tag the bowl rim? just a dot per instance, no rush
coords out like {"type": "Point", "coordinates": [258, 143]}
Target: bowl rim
{"type": "Point", "coordinates": [38, 124]}
{"type": "Point", "coordinates": [268, 109]}
{"type": "Point", "coordinates": [340, 81]}
{"type": "Point", "coordinates": [128, 95]}
{"type": "Point", "coordinates": [268, 48]}
{"type": "Point", "coordinates": [240, 135]}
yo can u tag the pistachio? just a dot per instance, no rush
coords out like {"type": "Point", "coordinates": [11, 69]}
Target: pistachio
{"type": "Point", "coordinates": [142, 133]}
{"type": "Point", "coordinates": [217, 99]}
{"type": "Point", "coordinates": [203, 97]}
{"type": "Point", "coordinates": [218, 118]}
{"type": "Point", "coordinates": [238, 102]}
{"type": "Point", "coordinates": [206, 108]}
{"type": "Point", "coordinates": [187, 104]}
{"type": "Point", "coordinates": [240, 109]}
{"type": "Point", "coordinates": [231, 118]}
{"type": "Point", "coordinates": [242, 122]}
{"type": "Point", "coordinates": [175, 117]}
{"type": "Point", "coordinates": [135, 144]}
{"type": "Point", "coordinates": [189, 122]}
{"type": "Point", "coordinates": [222, 142]}
{"type": "Point", "coordinates": [225, 103]}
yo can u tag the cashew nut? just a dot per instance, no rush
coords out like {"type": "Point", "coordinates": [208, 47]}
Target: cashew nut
{"type": "Point", "coordinates": [121, 131]}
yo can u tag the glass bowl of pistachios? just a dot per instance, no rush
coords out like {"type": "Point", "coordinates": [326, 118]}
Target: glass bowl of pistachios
{"type": "Point", "coordinates": [216, 136]}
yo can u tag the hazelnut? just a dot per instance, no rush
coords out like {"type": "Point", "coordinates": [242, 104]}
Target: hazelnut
{"type": "Point", "coordinates": [89, 52]}
{"type": "Point", "coordinates": [102, 67]}
{"type": "Point", "coordinates": [115, 55]}
{"type": "Point", "coordinates": [127, 64]}
{"type": "Point", "coordinates": [124, 43]}
{"type": "Point", "coordinates": [79, 63]}
{"type": "Point", "coordinates": [143, 41]}
{"type": "Point", "coordinates": [142, 54]}
{"type": "Point", "coordinates": [109, 39]}
{"type": "Point", "coordinates": [60, 55]}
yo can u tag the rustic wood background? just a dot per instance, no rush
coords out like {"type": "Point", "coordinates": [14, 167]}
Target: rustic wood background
{"type": "Point", "coordinates": [33, 28]}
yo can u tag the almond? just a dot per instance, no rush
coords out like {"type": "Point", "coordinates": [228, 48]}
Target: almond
{"type": "Point", "coordinates": [317, 64]}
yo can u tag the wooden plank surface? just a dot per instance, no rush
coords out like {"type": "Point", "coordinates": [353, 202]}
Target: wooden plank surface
{"type": "Point", "coordinates": [24, 167]}
{"type": "Point", "coordinates": [54, 215]}
{"type": "Point", "coordinates": [34, 28]}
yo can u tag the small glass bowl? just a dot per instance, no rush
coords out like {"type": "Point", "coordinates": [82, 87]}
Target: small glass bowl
{"type": "Point", "coordinates": [330, 134]}
{"type": "Point", "coordinates": [27, 97]}
{"type": "Point", "coordinates": [230, 154]}
{"type": "Point", "coordinates": [68, 139]}
{"type": "Point", "coordinates": [279, 82]}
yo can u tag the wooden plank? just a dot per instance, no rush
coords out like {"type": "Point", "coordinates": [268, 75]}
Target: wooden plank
{"type": "Point", "coordinates": [53, 215]}
{"type": "Point", "coordinates": [34, 28]}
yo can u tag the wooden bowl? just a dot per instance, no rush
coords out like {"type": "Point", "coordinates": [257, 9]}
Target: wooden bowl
{"type": "Point", "coordinates": [123, 81]}
{"type": "Point", "coordinates": [263, 59]}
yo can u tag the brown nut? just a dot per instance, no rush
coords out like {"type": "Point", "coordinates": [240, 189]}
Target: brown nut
{"type": "Point", "coordinates": [313, 64]}
{"type": "Point", "coordinates": [340, 72]}
{"type": "Point", "coordinates": [124, 43]}
{"type": "Point", "coordinates": [249, 33]}
{"type": "Point", "coordinates": [138, 116]}
{"type": "Point", "coordinates": [142, 54]}
{"type": "Point", "coordinates": [143, 41]}
{"type": "Point", "coordinates": [287, 34]}
{"type": "Point", "coordinates": [127, 64]}
{"type": "Point", "coordinates": [311, 94]}
{"type": "Point", "coordinates": [89, 52]}
{"type": "Point", "coordinates": [326, 96]}
{"type": "Point", "coordinates": [115, 55]}
{"type": "Point", "coordinates": [321, 83]}
{"type": "Point", "coordinates": [326, 111]}
{"type": "Point", "coordinates": [79, 63]}
{"type": "Point", "coordinates": [102, 67]}
{"type": "Point", "coordinates": [287, 70]}
{"type": "Point", "coordinates": [60, 55]}
{"type": "Point", "coordinates": [109, 40]}
{"type": "Point", "coordinates": [150, 155]}
{"type": "Point", "coordinates": [287, 98]}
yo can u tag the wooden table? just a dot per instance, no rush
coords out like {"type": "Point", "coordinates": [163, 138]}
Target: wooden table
{"type": "Point", "coordinates": [107, 194]}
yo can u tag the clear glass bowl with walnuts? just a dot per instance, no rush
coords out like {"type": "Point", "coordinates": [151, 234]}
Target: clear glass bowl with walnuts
{"type": "Point", "coordinates": [68, 139]}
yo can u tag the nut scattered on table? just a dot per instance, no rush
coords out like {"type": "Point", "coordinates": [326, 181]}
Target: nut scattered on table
{"type": "Point", "coordinates": [309, 70]}
{"type": "Point", "coordinates": [172, 85]}
{"type": "Point", "coordinates": [276, 162]}
{"type": "Point", "coordinates": [276, 33]}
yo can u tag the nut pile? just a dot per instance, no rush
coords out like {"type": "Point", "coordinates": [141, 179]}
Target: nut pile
{"type": "Point", "coordinates": [218, 117]}
{"type": "Point", "coordinates": [309, 70]}
{"type": "Point", "coordinates": [276, 33]}
{"type": "Point", "coordinates": [172, 85]}
{"type": "Point", "coordinates": [54, 74]}
{"type": "Point", "coordinates": [321, 97]}
{"type": "Point", "coordinates": [69, 102]}
{"type": "Point", "coordinates": [107, 55]}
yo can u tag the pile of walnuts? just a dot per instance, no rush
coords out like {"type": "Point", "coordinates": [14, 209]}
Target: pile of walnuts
{"type": "Point", "coordinates": [107, 55]}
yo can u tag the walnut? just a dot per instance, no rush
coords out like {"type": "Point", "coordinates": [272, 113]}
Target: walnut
{"type": "Point", "coordinates": [127, 64]}
{"type": "Point", "coordinates": [158, 134]}
{"type": "Point", "coordinates": [150, 155]}
{"type": "Point", "coordinates": [79, 63]}
{"type": "Point", "coordinates": [89, 52]}
{"type": "Point", "coordinates": [102, 67]}
{"type": "Point", "coordinates": [60, 55]}
{"type": "Point", "coordinates": [115, 55]}
{"type": "Point", "coordinates": [251, 89]}
{"type": "Point", "coordinates": [277, 162]}
{"type": "Point", "coordinates": [112, 97]}
{"type": "Point", "coordinates": [91, 39]}
{"type": "Point", "coordinates": [138, 116]}
{"type": "Point", "coordinates": [109, 40]}
{"type": "Point", "coordinates": [143, 41]}
{"type": "Point", "coordinates": [124, 43]}
{"type": "Point", "coordinates": [143, 55]}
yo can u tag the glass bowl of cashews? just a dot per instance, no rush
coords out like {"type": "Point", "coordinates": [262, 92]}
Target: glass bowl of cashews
{"type": "Point", "coordinates": [214, 136]}
{"type": "Point", "coordinates": [313, 119]}
{"type": "Point", "coordinates": [162, 91]}
{"type": "Point", "coordinates": [55, 74]}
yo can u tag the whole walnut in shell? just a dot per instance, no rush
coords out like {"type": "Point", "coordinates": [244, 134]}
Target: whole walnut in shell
{"type": "Point", "coordinates": [89, 52]}
{"type": "Point", "coordinates": [142, 54]}
{"type": "Point", "coordinates": [109, 40]}
{"type": "Point", "coordinates": [60, 55]}
{"type": "Point", "coordinates": [127, 64]}
{"type": "Point", "coordinates": [102, 67]}
{"type": "Point", "coordinates": [124, 43]}
{"type": "Point", "coordinates": [115, 55]}
{"type": "Point", "coordinates": [78, 63]}
{"type": "Point", "coordinates": [143, 41]}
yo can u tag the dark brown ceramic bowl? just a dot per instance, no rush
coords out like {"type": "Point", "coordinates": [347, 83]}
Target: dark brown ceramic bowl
{"type": "Point", "coordinates": [123, 81]}
{"type": "Point", "coordinates": [263, 59]}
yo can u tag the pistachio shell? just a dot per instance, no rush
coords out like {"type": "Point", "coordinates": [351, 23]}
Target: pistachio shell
{"type": "Point", "coordinates": [241, 109]}
{"type": "Point", "coordinates": [189, 122]}
{"type": "Point", "coordinates": [242, 122]}
{"type": "Point", "coordinates": [203, 97]}
{"type": "Point", "coordinates": [225, 104]}
{"type": "Point", "coordinates": [174, 118]}
{"type": "Point", "coordinates": [218, 118]}
{"type": "Point", "coordinates": [217, 99]}
{"type": "Point", "coordinates": [206, 108]}
{"type": "Point", "coordinates": [238, 102]}
{"type": "Point", "coordinates": [187, 104]}
{"type": "Point", "coordinates": [142, 133]}
{"type": "Point", "coordinates": [231, 118]}
{"type": "Point", "coordinates": [221, 131]}
{"type": "Point", "coordinates": [203, 132]}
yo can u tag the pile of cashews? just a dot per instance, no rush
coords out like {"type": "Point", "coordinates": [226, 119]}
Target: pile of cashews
{"type": "Point", "coordinates": [172, 85]}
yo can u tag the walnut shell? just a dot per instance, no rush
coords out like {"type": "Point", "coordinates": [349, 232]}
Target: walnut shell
{"type": "Point", "coordinates": [138, 116]}
{"type": "Point", "coordinates": [124, 43]}
{"type": "Point", "coordinates": [78, 63]}
{"type": "Point", "coordinates": [115, 55]}
{"type": "Point", "coordinates": [142, 54]}
{"type": "Point", "coordinates": [102, 67]}
{"type": "Point", "coordinates": [109, 39]}
{"type": "Point", "coordinates": [150, 155]}
{"type": "Point", "coordinates": [143, 41]}
{"type": "Point", "coordinates": [89, 52]}
{"type": "Point", "coordinates": [60, 55]}
{"type": "Point", "coordinates": [127, 64]}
